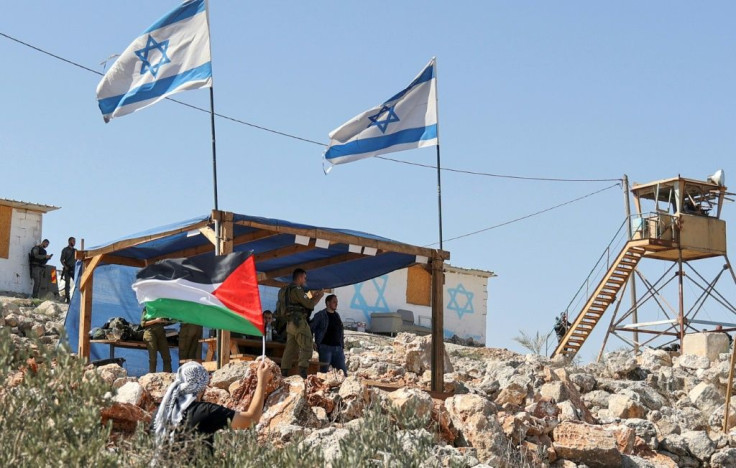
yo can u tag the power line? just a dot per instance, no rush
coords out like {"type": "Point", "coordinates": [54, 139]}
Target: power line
{"type": "Point", "coordinates": [307, 140]}
{"type": "Point", "coordinates": [525, 217]}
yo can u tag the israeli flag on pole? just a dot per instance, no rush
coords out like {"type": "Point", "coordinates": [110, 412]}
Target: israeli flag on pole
{"type": "Point", "coordinates": [406, 121]}
{"type": "Point", "coordinates": [172, 55]}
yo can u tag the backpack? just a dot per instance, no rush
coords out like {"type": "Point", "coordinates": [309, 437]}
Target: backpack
{"type": "Point", "coordinates": [281, 314]}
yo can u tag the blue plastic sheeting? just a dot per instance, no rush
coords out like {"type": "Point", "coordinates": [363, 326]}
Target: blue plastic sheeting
{"type": "Point", "coordinates": [114, 297]}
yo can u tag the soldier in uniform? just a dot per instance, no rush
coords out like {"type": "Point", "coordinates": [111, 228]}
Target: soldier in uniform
{"type": "Point", "coordinates": [67, 264]}
{"type": "Point", "coordinates": [299, 305]}
{"type": "Point", "coordinates": [38, 259]}
{"type": "Point", "coordinates": [154, 335]}
{"type": "Point", "coordinates": [189, 336]}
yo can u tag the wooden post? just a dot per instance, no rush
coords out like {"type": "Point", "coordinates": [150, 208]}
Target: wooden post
{"type": "Point", "coordinates": [438, 328]}
{"type": "Point", "coordinates": [226, 247]}
{"type": "Point", "coordinates": [85, 310]}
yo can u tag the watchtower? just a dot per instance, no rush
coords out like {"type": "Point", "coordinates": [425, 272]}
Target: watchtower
{"type": "Point", "coordinates": [677, 221]}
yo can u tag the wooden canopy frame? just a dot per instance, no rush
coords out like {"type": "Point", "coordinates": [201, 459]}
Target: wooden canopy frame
{"type": "Point", "coordinates": [226, 241]}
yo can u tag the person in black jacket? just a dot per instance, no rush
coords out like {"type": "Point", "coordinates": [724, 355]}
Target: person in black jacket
{"type": "Point", "coordinates": [329, 336]}
{"type": "Point", "coordinates": [68, 258]}
{"type": "Point", "coordinates": [38, 259]}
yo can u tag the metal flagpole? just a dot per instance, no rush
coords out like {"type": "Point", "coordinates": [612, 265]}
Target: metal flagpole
{"type": "Point", "coordinates": [439, 178]}
{"type": "Point", "coordinates": [214, 147]}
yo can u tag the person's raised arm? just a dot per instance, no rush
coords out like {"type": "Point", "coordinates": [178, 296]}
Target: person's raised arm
{"type": "Point", "coordinates": [246, 419]}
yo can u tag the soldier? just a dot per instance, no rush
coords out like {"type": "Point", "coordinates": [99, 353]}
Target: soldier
{"type": "Point", "coordinates": [299, 305]}
{"type": "Point", "coordinates": [68, 254]}
{"type": "Point", "coordinates": [154, 335]}
{"type": "Point", "coordinates": [189, 336]}
{"type": "Point", "coordinates": [38, 259]}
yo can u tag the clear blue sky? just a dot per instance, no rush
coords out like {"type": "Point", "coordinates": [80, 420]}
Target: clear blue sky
{"type": "Point", "coordinates": [571, 90]}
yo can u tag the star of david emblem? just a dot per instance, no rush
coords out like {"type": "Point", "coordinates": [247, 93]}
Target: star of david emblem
{"type": "Point", "coordinates": [454, 305]}
{"type": "Point", "coordinates": [148, 58]}
{"type": "Point", "coordinates": [382, 125]}
{"type": "Point", "coordinates": [359, 301]}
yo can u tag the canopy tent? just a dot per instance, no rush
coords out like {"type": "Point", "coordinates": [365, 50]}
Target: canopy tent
{"type": "Point", "coordinates": [333, 257]}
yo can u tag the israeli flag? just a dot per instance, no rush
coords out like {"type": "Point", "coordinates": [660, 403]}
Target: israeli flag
{"type": "Point", "coordinates": [172, 55]}
{"type": "Point", "coordinates": [406, 121]}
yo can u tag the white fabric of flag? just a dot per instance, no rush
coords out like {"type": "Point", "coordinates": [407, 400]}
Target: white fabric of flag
{"type": "Point", "coordinates": [406, 121]}
{"type": "Point", "coordinates": [172, 55]}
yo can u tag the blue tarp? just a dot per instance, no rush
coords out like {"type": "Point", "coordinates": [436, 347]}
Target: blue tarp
{"type": "Point", "coordinates": [113, 296]}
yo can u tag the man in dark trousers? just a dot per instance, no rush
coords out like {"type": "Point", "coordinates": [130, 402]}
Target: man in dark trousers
{"type": "Point", "coordinates": [299, 305]}
{"type": "Point", "coordinates": [329, 336]}
{"type": "Point", "coordinates": [67, 266]}
{"type": "Point", "coordinates": [38, 258]}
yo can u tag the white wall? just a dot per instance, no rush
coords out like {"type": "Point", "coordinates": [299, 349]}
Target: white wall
{"type": "Point", "coordinates": [465, 302]}
{"type": "Point", "coordinates": [25, 232]}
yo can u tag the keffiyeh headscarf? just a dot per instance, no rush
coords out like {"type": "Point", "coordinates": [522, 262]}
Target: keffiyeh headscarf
{"type": "Point", "coordinates": [191, 378]}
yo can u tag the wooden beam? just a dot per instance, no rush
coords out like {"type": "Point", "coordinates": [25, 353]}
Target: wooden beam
{"type": "Point", "coordinates": [204, 248]}
{"type": "Point", "coordinates": [283, 252]}
{"type": "Point", "coordinates": [85, 312]}
{"type": "Point", "coordinates": [438, 326]}
{"type": "Point", "coordinates": [313, 265]}
{"type": "Point", "coordinates": [226, 247]}
{"type": "Point", "coordinates": [139, 240]}
{"type": "Point", "coordinates": [342, 238]}
{"type": "Point", "coordinates": [209, 233]}
{"type": "Point", "coordinates": [89, 270]}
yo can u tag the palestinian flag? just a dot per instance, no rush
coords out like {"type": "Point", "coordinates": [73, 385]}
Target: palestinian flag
{"type": "Point", "coordinates": [216, 292]}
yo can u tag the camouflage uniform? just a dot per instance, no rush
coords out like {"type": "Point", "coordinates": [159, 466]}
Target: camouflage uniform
{"type": "Point", "coordinates": [298, 335]}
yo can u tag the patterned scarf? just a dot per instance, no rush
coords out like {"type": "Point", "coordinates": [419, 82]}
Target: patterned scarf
{"type": "Point", "coordinates": [191, 378]}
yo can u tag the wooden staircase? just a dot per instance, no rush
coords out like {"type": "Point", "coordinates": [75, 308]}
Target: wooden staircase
{"type": "Point", "coordinates": [606, 292]}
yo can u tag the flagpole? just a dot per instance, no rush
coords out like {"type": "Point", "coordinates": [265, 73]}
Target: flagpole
{"type": "Point", "coordinates": [439, 178]}
{"type": "Point", "coordinates": [214, 146]}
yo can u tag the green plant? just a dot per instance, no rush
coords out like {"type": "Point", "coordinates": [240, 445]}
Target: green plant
{"type": "Point", "coordinates": [537, 343]}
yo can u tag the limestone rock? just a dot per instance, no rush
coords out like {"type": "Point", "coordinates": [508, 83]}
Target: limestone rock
{"type": "Point", "coordinates": [125, 416]}
{"type": "Point", "coordinates": [620, 364]}
{"type": "Point", "coordinates": [554, 390]}
{"type": "Point", "coordinates": [287, 405]}
{"type": "Point", "coordinates": [49, 308]}
{"type": "Point", "coordinates": [544, 408]}
{"type": "Point", "coordinates": [567, 411]}
{"type": "Point", "coordinates": [355, 397]}
{"type": "Point", "coordinates": [513, 394]}
{"type": "Point", "coordinates": [326, 441]}
{"type": "Point", "coordinates": [418, 401]}
{"type": "Point", "coordinates": [132, 393]}
{"type": "Point", "coordinates": [416, 353]}
{"type": "Point", "coordinates": [597, 398]}
{"type": "Point", "coordinates": [242, 390]}
{"type": "Point", "coordinates": [699, 444]}
{"type": "Point", "coordinates": [708, 345]}
{"type": "Point", "coordinates": [725, 458]}
{"type": "Point", "coordinates": [229, 373]}
{"type": "Point", "coordinates": [644, 429]}
{"type": "Point", "coordinates": [587, 444]}
{"type": "Point", "coordinates": [654, 359]}
{"type": "Point", "coordinates": [626, 406]}
{"type": "Point", "coordinates": [706, 397]}
{"type": "Point", "coordinates": [111, 372]}
{"type": "Point", "coordinates": [584, 382]}
{"type": "Point", "coordinates": [11, 320]}
{"type": "Point", "coordinates": [217, 396]}
{"type": "Point", "coordinates": [691, 361]}
{"type": "Point", "coordinates": [156, 384]}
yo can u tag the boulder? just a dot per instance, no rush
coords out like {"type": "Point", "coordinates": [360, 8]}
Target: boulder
{"type": "Point", "coordinates": [355, 397]}
{"type": "Point", "coordinates": [481, 432]}
{"type": "Point", "coordinates": [287, 406]}
{"type": "Point", "coordinates": [699, 444]}
{"type": "Point", "coordinates": [674, 443]}
{"type": "Point", "coordinates": [242, 390]}
{"type": "Point", "coordinates": [8, 308]}
{"type": "Point", "coordinates": [708, 345]}
{"type": "Point", "coordinates": [37, 330]}
{"type": "Point", "coordinates": [725, 458]}
{"type": "Point", "coordinates": [111, 372]}
{"type": "Point", "coordinates": [327, 442]}
{"type": "Point", "coordinates": [217, 396]}
{"type": "Point", "coordinates": [556, 391]}
{"type": "Point", "coordinates": [654, 359]}
{"type": "Point", "coordinates": [619, 364]}
{"type": "Point", "coordinates": [513, 395]}
{"type": "Point", "coordinates": [597, 398]}
{"type": "Point", "coordinates": [543, 408]}
{"type": "Point", "coordinates": [584, 382]}
{"type": "Point", "coordinates": [567, 411]}
{"type": "Point", "coordinates": [411, 400]}
{"type": "Point", "coordinates": [706, 397]}
{"type": "Point", "coordinates": [626, 406]}
{"type": "Point", "coordinates": [156, 384]}
{"type": "Point", "coordinates": [132, 393]}
{"type": "Point", "coordinates": [691, 361]}
{"type": "Point", "coordinates": [229, 373]}
{"type": "Point", "coordinates": [416, 353]}
{"type": "Point", "coordinates": [53, 328]}
{"type": "Point", "coordinates": [646, 430]}
{"type": "Point", "coordinates": [125, 417]}
{"type": "Point", "coordinates": [49, 308]}
{"type": "Point", "coordinates": [11, 320]}
{"type": "Point", "coordinates": [586, 444]}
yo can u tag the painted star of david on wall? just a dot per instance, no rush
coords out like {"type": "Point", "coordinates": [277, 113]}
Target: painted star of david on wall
{"type": "Point", "coordinates": [145, 55]}
{"type": "Point", "coordinates": [382, 125]}
{"type": "Point", "coordinates": [454, 305]}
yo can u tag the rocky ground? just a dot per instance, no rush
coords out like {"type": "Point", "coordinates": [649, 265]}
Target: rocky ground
{"type": "Point", "coordinates": [655, 410]}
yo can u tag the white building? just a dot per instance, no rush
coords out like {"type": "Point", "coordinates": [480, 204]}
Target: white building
{"type": "Point", "coordinates": [465, 299]}
{"type": "Point", "coordinates": [20, 229]}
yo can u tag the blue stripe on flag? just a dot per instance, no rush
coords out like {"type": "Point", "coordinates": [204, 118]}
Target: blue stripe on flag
{"type": "Point", "coordinates": [369, 145]}
{"type": "Point", "coordinates": [426, 75]}
{"type": "Point", "coordinates": [184, 11]}
{"type": "Point", "coordinates": [154, 89]}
